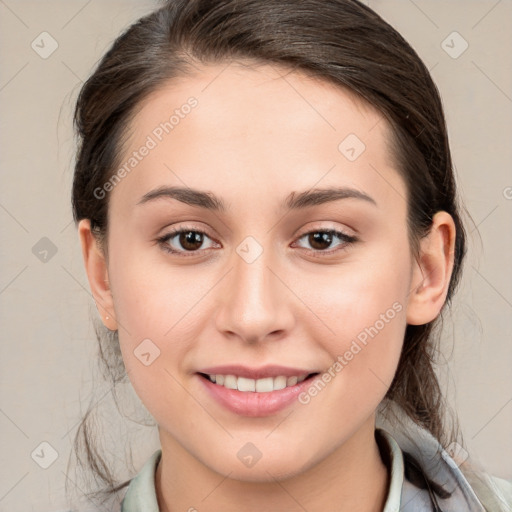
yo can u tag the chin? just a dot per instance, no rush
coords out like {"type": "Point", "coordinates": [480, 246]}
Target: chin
{"type": "Point", "coordinates": [278, 467]}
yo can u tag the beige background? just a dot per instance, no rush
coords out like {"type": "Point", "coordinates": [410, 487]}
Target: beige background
{"type": "Point", "coordinates": [48, 344]}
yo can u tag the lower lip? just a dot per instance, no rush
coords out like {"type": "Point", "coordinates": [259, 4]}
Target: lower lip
{"type": "Point", "coordinates": [254, 404]}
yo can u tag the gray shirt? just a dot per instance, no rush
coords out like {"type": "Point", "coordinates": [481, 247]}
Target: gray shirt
{"type": "Point", "coordinates": [418, 467]}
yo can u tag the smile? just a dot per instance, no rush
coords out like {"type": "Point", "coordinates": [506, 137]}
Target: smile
{"type": "Point", "coordinates": [265, 385]}
{"type": "Point", "coordinates": [255, 397]}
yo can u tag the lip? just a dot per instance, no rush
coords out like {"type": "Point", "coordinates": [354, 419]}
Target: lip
{"type": "Point", "coordinates": [256, 373]}
{"type": "Point", "coordinates": [252, 403]}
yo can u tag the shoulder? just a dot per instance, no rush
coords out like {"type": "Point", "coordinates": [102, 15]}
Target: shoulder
{"type": "Point", "coordinates": [494, 493]}
{"type": "Point", "coordinates": [141, 493]}
{"type": "Point", "coordinates": [459, 483]}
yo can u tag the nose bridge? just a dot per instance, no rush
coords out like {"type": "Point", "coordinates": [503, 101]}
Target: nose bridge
{"type": "Point", "coordinates": [255, 302]}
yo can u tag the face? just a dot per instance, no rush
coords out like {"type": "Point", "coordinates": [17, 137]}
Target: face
{"type": "Point", "coordinates": [280, 274]}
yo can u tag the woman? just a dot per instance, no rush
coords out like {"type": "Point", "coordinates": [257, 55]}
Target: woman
{"type": "Point", "coordinates": [270, 227]}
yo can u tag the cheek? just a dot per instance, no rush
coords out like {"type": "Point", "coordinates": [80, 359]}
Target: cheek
{"type": "Point", "coordinates": [362, 307]}
{"type": "Point", "coordinates": [152, 299]}
{"type": "Point", "coordinates": [154, 324]}
{"type": "Point", "coordinates": [357, 294]}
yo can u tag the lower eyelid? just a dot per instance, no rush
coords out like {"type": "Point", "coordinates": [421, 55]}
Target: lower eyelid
{"type": "Point", "coordinates": [345, 239]}
{"type": "Point", "coordinates": [165, 239]}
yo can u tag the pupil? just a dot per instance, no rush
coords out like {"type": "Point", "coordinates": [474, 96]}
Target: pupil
{"type": "Point", "coordinates": [189, 238]}
{"type": "Point", "coordinates": [323, 239]}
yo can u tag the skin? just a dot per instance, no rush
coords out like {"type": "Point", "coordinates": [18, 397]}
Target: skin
{"type": "Point", "coordinates": [258, 134]}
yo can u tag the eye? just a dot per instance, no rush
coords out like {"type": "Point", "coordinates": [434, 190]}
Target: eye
{"type": "Point", "coordinates": [190, 240]}
{"type": "Point", "coordinates": [321, 239]}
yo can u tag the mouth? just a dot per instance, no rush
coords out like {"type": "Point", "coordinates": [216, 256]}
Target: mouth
{"type": "Point", "coordinates": [256, 391]}
{"type": "Point", "coordinates": [263, 385]}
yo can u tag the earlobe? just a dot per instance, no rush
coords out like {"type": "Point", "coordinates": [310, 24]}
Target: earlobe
{"type": "Point", "coordinates": [432, 271]}
{"type": "Point", "coordinates": [97, 274]}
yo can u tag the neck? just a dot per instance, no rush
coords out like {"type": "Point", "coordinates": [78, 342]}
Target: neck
{"type": "Point", "coordinates": [351, 478]}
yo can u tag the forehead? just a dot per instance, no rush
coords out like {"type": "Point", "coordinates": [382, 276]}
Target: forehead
{"type": "Point", "coordinates": [238, 127]}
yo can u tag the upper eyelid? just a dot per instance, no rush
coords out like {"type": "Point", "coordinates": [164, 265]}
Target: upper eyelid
{"type": "Point", "coordinates": [179, 229]}
{"type": "Point", "coordinates": [176, 231]}
{"type": "Point", "coordinates": [346, 229]}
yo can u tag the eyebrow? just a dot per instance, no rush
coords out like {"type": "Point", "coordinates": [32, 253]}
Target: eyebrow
{"type": "Point", "coordinates": [294, 201]}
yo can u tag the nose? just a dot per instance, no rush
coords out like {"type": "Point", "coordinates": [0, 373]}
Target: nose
{"type": "Point", "coordinates": [255, 303]}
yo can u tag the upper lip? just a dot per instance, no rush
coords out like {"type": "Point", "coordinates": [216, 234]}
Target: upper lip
{"type": "Point", "coordinates": [255, 373]}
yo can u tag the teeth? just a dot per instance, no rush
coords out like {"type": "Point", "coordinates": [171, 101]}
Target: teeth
{"type": "Point", "coordinates": [246, 384]}
{"type": "Point", "coordinates": [279, 382]}
{"type": "Point", "coordinates": [230, 382]}
{"type": "Point", "coordinates": [265, 385]}
{"type": "Point", "coordinates": [291, 381]}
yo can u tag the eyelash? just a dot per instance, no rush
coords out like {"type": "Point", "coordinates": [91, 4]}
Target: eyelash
{"type": "Point", "coordinates": [347, 240]}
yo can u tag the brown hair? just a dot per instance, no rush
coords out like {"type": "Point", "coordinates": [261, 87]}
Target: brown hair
{"type": "Point", "coordinates": [340, 41]}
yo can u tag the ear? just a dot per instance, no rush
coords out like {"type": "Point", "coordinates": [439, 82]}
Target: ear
{"type": "Point", "coordinates": [97, 273]}
{"type": "Point", "coordinates": [432, 271]}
